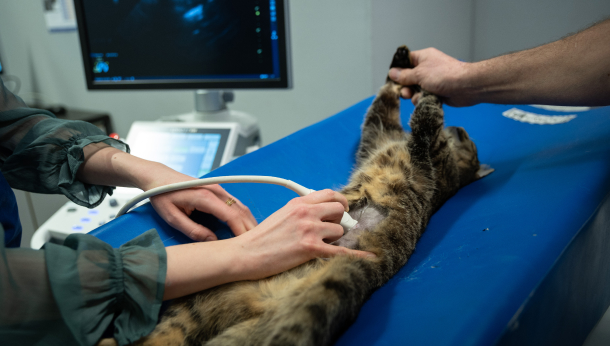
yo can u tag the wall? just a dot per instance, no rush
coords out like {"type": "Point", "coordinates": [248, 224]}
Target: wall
{"type": "Point", "coordinates": [507, 26]}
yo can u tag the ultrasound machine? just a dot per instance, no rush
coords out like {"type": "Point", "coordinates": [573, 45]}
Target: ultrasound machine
{"type": "Point", "coordinates": [210, 47]}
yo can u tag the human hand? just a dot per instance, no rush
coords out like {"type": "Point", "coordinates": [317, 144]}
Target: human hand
{"type": "Point", "coordinates": [295, 234]}
{"type": "Point", "coordinates": [437, 73]}
{"type": "Point", "coordinates": [104, 165]}
{"type": "Point", "coordinates": [175, 207]}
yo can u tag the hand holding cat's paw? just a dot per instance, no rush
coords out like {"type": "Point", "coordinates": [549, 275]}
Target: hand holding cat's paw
{"type": "Point", "coordinates": [437, 73]}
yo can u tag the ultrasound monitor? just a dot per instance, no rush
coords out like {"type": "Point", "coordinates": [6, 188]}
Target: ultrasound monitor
{"type": "Point", "coordinates": [183, 44]}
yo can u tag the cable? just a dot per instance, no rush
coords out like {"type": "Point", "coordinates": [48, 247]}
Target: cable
{"type": "Point", "coordinates": [347, 222]}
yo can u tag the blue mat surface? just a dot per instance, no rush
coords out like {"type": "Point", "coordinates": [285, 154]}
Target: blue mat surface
{"type": "Point", "coordinates": [498, 260]}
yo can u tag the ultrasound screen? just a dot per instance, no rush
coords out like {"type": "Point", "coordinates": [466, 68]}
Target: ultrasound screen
{"type": "Point", "coordinates": [182, 40]}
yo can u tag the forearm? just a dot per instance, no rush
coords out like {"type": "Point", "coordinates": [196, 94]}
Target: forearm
{"type": "Point", "coordinates": [572, 71]}
{"type": "Point", "coordinates": [104, 165]}
{"type": "Point", "coordinates": [198, 266]}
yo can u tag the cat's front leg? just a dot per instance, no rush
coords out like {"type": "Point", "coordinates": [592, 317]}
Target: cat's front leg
{"type": "Point", "coordinates": [382, 121]}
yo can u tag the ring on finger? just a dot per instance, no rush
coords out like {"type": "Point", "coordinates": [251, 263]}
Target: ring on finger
{"type": "Point", "coordinates": [230, 202]}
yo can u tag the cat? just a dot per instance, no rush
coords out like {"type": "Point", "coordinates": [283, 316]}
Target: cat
{"type": "Point", "coordinates": [399, 181]}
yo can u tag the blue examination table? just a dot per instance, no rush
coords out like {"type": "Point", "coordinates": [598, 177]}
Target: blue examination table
{"type": "Point", "coordinates": [521, 257]}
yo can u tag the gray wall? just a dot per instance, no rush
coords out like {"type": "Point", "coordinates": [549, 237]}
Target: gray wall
{"type": "Point", "coordinates": [506, 26]}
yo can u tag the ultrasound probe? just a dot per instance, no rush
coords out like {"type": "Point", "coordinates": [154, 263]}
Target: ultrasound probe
{"type": "Point", "coordinates": [346, 221]}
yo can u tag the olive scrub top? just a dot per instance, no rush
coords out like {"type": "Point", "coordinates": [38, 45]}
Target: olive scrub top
{"type": "Point", "coordinates": [67, 294]}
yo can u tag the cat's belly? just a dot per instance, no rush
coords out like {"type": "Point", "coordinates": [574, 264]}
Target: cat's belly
{"type": "Point", "coordinates": [368, 218]}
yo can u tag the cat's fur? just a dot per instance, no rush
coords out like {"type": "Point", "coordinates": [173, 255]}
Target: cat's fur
{"type": "Point", "coordinates": [400, 180]}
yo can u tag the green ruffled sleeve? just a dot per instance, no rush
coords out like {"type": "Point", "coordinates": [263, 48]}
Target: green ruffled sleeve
{"type": "Point", "coordinates": [95, 285]}
{"type": "Point", "coordinates": [47, 153]}
{"type": "Point", "coordinates": [40, 153]}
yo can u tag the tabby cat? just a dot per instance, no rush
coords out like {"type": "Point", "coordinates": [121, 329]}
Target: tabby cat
{"type": "Point", "coordinates": [399, 181]}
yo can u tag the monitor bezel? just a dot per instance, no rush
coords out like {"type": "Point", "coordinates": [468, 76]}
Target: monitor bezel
{"type": "Point", "coordinates": [285, 82]}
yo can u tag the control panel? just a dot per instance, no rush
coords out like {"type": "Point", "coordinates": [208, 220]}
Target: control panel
{"type": "Point", "coordinates": [73, 218]}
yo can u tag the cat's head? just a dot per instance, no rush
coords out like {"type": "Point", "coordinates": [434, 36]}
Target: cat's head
{"type": "Point", "coordinates": [465, 154]}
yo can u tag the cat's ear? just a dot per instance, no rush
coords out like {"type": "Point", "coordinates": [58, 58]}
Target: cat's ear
{"type": "Point", "coordinates": [484, 170]}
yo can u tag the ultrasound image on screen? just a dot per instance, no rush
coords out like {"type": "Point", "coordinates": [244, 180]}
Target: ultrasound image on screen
{"type": "Point", "coordinates": [181, 39]}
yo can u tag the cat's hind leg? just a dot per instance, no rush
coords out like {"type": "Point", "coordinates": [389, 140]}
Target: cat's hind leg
{"type": "Point", "coordinates": [237, 335]}
{"type": "Point", "coordinates": [322, 307]}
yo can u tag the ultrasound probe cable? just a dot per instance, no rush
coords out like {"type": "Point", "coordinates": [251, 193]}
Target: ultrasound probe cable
{"type": "Point", "coordinates": [346, 221]}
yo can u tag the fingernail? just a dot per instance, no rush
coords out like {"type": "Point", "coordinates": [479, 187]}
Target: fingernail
{"type": "Point", "coordinates": [371, 255]}
{"type": "Point", "coordinates": [394, 73]}
{"type": "Point", "coordinates": [209, 238]}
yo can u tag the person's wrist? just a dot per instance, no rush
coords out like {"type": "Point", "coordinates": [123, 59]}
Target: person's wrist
{"type": "Point", "coordinates": [470, 80]}
{"type": "Point", "coordinates": [248, 263]}
{"type": "Point", "coordinates": [241, 264]}
{"type": "Point", "coordinates": [492, 80]}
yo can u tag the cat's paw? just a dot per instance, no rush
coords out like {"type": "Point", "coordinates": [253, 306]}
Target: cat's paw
{"type": "Point", "coordinates": [428, 98]}
{"type": "Point", "coordinates": [401, 58]}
